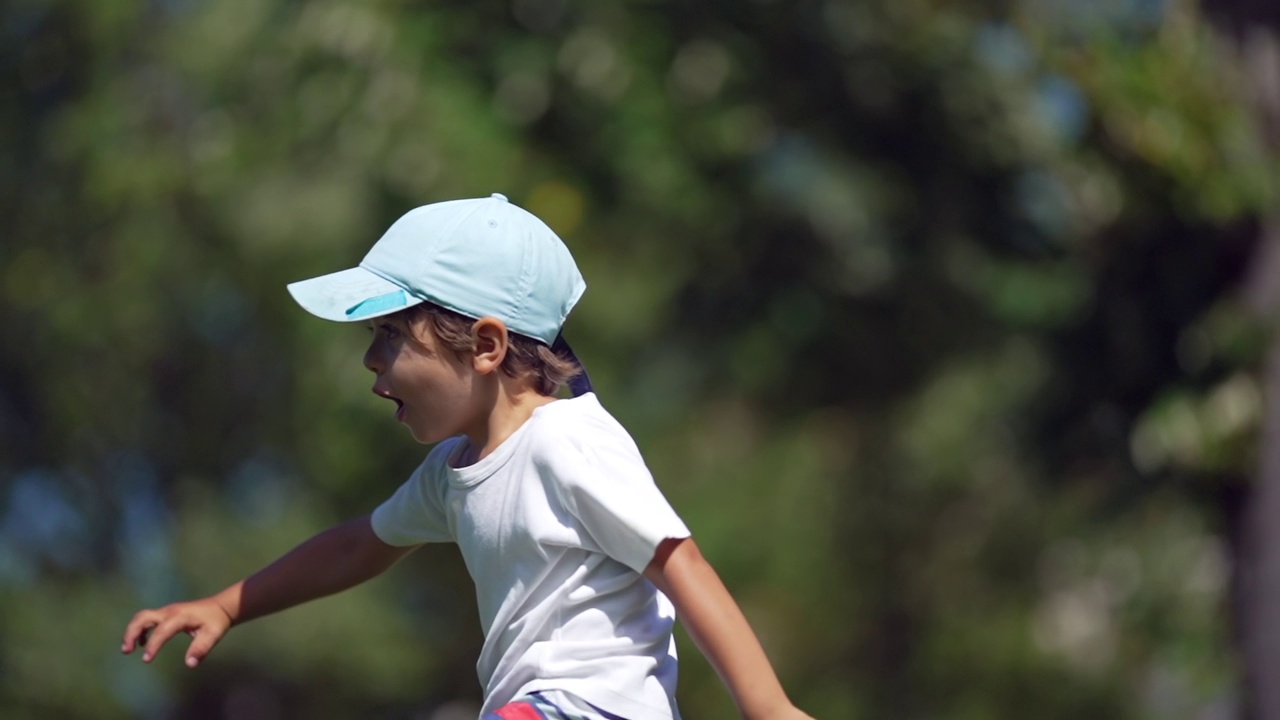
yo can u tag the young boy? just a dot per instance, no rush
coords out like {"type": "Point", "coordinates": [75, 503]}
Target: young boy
{"type": "Point", "coordinates": [576, 555]}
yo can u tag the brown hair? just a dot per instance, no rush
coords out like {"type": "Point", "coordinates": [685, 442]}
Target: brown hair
{"type": "Point", "coordinates": [525, 357]}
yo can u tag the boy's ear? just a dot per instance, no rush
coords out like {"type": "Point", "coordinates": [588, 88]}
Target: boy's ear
{"type": "Point", "coordinates": [489, 334]}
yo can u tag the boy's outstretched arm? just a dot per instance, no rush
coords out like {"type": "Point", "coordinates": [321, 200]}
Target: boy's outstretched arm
{"type": "Point", "coordinates": [718, 627]}
{"type": "Point", "coordinates": [334, 560]}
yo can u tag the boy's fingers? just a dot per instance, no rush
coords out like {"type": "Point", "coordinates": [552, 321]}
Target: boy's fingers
{"type": "Point", "coordinates": [136, 631]}
{"type": "Point", "coordinates": [204, 641]}
{"type": "Point", "coordinates": [160, 635]}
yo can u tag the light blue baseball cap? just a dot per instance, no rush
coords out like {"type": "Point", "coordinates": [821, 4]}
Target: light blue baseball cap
{"type": "Point", "coordinates": [478, 257]}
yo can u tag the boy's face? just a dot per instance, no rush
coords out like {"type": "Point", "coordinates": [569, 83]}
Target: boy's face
{"type": "Point", "coordinates": [431, 385]}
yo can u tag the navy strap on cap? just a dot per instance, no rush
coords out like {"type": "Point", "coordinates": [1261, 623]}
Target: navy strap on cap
{"type": "Point", "coordinates": [579, 384]}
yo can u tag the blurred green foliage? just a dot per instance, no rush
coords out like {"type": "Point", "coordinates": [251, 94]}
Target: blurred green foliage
{"type": "Point", "coordinates": [925, 315]}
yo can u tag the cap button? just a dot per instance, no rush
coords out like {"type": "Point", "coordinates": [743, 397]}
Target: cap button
{"type": "Point", "coordinates": [499, 196]}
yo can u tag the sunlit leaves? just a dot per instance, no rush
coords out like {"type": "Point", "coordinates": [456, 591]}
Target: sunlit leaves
{"type": "Point", "coordinates": [915, 308]}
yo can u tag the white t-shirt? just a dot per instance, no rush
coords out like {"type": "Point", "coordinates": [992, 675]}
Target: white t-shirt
{"type": "Point", "coordinates": [556, 527]}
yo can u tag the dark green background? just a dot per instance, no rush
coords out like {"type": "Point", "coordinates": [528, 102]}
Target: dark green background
{"type": "Point", "coordinates": [930, 318]}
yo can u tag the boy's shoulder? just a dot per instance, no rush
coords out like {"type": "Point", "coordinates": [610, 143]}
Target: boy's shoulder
{"type": "Point", "coordinates": [579, 433]}
{"type": "Point", "coordinates": [579, 421]}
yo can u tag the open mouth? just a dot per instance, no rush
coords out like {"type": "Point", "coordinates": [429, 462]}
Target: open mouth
{"type": "Point", "coordinates": [399, 403]}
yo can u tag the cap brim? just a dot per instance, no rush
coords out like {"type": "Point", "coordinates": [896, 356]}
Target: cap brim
{"type": "Point", "coordinates": [351, 295]}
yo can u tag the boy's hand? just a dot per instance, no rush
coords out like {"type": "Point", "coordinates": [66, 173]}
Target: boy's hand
{"type": "Point", "coordinates": [204, 620]}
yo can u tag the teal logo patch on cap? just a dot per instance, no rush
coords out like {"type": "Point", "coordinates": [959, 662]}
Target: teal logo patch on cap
{"type": "Point", "coordinates": [375, 305]}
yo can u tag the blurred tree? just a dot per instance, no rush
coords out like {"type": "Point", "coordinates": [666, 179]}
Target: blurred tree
{"type": "Point", "coordinates": [926, 317]}
{"type": "Point", "coordinates": [1254, 29]}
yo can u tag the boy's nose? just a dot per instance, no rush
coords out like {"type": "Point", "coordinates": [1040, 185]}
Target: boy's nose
{"type": "Point", "coordinates": [371, 361]}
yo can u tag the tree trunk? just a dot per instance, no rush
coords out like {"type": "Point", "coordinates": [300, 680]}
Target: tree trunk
{"type": "Point", "coordinates": [1254, 28]}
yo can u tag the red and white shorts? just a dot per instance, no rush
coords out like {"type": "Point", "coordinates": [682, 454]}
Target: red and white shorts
{"type": "Point", "coordinates": [550, 705]}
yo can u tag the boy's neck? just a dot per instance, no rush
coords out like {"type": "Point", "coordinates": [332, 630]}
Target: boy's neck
{"type": "Point", "coordinates": [511, 406]}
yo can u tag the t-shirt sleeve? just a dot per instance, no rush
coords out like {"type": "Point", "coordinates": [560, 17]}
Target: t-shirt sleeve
{"type": "Point", "coordinates": [608, 488]}
{"type": "Point", "coordinates": [415, 513]}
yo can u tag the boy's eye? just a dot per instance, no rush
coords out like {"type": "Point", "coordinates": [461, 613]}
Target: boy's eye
{"type": "Point", "coordinates": [388, 330]}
